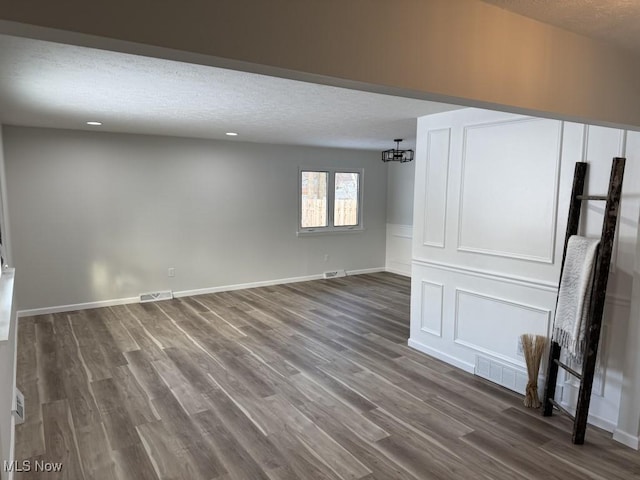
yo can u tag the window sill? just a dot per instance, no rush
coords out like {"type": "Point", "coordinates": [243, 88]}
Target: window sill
{"type": "Point", "coordinates": [328, 231]}
{"type": "Point", "coordinates": [6, 299]}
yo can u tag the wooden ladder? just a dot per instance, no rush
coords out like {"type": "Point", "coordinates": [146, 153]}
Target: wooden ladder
{"type": "Point", "coordinates": [598, 293]}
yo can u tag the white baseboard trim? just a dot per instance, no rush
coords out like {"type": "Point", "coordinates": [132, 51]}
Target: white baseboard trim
{"type": "Point", "coordinates": [77, 306]}
{"type": "Point", "coordinates": [445, 357]}
{"type": "Point", "coordinates": [398, 272]}
{"type": "Point", "coordinates": [622, 437]}
{"type": "Point", "coordinates": [267, 283]}
{"type": "Point", "coordinates": [400, 231]}
{"type": "Point", "coordinates": [242, 286]}
{"type": "Point", "coordinates": [185, 293]}
{"type": "Point", "coordinates": [627, 439]}
{"type": "Point", "coordinates": [592, 419]}
{"type": "Point", "coordinates": [602, 423]}
{"type": "Point", "coordinates": [366, 270]}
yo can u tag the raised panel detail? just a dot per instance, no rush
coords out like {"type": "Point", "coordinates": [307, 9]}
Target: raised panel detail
{"type": "Point", "coordinates": [437, 173]}
{"type": "Point", "coordinates": [492, 325]}
{"type": "Point", "coordinates": [509, 189]}
{"type": "Point", "coordinates": [431, 313]}
{"type": "Point", "coordinates": [398, 252]}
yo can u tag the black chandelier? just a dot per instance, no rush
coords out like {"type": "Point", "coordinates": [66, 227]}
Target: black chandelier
{"type": "Point", "coordinates": [397, 155]}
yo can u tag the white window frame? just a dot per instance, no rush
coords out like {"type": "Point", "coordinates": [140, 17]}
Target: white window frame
{"type": "Point", "coordinates": [331, 191]}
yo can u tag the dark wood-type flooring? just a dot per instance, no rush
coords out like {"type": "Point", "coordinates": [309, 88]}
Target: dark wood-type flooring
{"type": "Point", "coordinates": [310, 381]}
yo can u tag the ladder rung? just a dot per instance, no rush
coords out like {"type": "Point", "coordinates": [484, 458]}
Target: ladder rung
{"type": "Point", "coordinates": [562, 409]}
{"type": "Point", "coordinates": [592, 197]}
{"type": "Point", "coordinates": [568, 369]}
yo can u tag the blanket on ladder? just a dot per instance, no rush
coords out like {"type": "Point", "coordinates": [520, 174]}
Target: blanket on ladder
{"type": "Point", "coordinates": [574, 296]}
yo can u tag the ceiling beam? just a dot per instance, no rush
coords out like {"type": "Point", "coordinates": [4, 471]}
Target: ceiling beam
{"type": "Point", "coordinates": [465, 52]}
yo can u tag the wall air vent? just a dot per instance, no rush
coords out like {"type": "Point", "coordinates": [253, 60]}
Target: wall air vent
{"type": "Point", "coordinates": [335, 274]}
{"type": "Point", "coordinates": [156, 296]}
{"type": "Point", "coordinates": [507, 375]}
{"type": "Point", "coordinates": [18, 411]}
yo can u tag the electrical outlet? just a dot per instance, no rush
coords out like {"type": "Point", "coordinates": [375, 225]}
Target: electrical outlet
{"type": "Point", "coordinates": [171, 272]}
{"type": "Point", "coordinates": [326, 257]}
{"type": "Point", "coordinates": [520, 351]}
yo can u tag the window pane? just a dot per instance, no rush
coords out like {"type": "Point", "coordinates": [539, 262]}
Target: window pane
{"type": "Point", "coordinates": [346, 199]}
{"type": "Point", "coordinates": [314, 199]}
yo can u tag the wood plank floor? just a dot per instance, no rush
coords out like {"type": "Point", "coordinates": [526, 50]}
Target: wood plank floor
{"type": "Point", "coordinates": [309, 381]}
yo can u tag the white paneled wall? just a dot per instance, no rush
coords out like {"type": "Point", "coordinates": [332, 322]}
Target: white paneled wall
{"type": "Point", "coordinates": [490, 206]}
{"type": "Point", "coordinates": [400, 181]}
{"type": "Point", "coordinates": [398, 250]}
{"type": "Point", "coordinates": [516, 160]}
{"type": "Point", "coordinates": [435, 187]}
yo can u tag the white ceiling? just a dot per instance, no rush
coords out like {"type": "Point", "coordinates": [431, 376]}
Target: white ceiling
{"type": "Point", "coordinates": [53, 85]}
{"type": "Point", "coordinates": [614, 21]}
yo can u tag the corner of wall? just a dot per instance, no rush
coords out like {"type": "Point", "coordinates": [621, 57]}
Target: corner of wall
{"type": "Point", "coordinates": [627, 439]}
{"type": "Point", "coordinates": [398, 251]}
{"type": "Point", "coordinates": [4, 212]}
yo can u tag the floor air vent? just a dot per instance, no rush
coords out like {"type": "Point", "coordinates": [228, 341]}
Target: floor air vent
{"type": "Point", "coordinates": [335, 274]}
{"type": "Point", "coordinates": [155, 296]}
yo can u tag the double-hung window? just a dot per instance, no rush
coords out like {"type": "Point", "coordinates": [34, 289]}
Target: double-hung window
{"type": "Point", "coordinates": [330, 200]}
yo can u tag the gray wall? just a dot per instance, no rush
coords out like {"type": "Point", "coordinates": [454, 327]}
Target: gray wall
{"type": "Point", "coordinates": [98, 216]}
{"type": "Point", "coordinates": [7, 345]}
{"type": "Point", "coordinates": [400, 180]}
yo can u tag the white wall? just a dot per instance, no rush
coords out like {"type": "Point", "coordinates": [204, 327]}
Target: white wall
{"type": "Point", "coordinates": [491, 201]}
{"type": "Point", "coordinates": [400, 180]}
{"type": "Point", "coordinates": [99, 216]}
{"type": "Point", "coordinates": [7, 343]}
{"type": "Point", "coordinates": [628, 428]}
{"type": "Point", "coordinates": [8, 336]}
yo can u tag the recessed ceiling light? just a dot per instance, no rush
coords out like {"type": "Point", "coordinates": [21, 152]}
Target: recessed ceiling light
{"type": "Point", "coordinates": [95, 124]}
{"type": "Point", "coordinates": [232, 134]}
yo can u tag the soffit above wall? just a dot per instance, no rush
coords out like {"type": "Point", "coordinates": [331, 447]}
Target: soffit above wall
{"type": "Point", "coordinates": [49, 84]}
{"type": "Point", "coordinates": [466, 52]}
{"type": "Point", "coordinates": [614, 21]}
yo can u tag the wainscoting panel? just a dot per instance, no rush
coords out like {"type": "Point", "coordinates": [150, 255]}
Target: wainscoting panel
{"type": "Point", "coordinates": [479, 316]}
{"type": "Point", "coordinates": [507, 185]}
{"type": "Point", "coordinates": [436, 181]}
{"type": "Point", "coordinates": [398, 251]}
{"type": "Point", "coordinates": [432, 298]}
{"type": "Point", "coordinates": [509, 189]}
{"type": "Point", "coordinates": [462, 316]}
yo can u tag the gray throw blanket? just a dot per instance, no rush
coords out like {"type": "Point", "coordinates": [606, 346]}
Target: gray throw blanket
{"type": "Point", "coordinates": [575, 295]}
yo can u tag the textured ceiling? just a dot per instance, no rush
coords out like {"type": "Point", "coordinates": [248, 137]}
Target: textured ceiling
{"type": "Point", "coordinates": [53, 85]}
{"type": "Point", "coordinates": [614, 21]}
{"type": "Point", "coordinates": [62, 86]}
